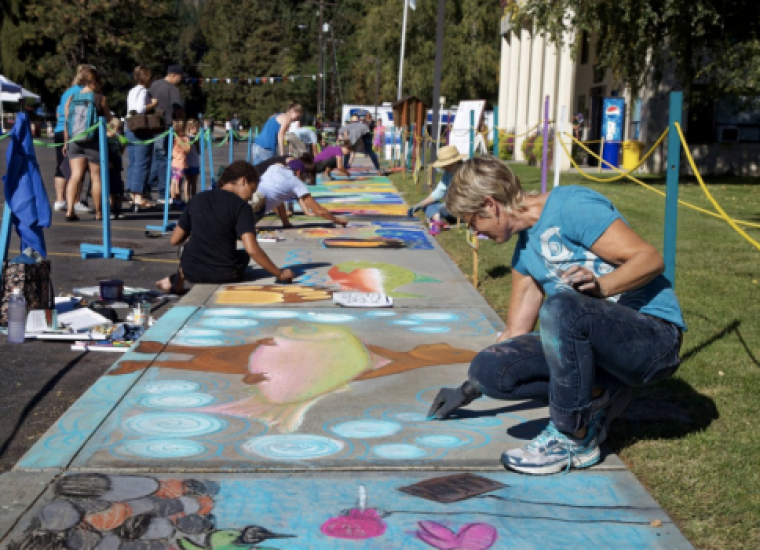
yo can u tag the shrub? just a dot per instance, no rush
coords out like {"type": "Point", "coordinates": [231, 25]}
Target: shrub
{"type": "Point", "coordinates": [533, 148]}
{"type": "Point", "coordinates": [506, 145]}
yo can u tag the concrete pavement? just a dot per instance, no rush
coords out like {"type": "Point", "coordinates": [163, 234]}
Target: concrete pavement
{"type": "Point", "coordinates": [296, 424]}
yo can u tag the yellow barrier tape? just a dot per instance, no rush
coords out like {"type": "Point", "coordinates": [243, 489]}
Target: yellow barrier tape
{"type": "Point", "coordinates": [622, 175]}
{"type": "Point", "coordinates": [644, 185]}
{"type": "Point", "coordinates": [717, 206]}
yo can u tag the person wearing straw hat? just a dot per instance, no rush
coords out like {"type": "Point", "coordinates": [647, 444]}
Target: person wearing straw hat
{"type": "Point", "coordinates": [449, 159]}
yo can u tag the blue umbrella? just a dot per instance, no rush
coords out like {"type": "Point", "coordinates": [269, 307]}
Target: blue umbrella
{"type": "Point", "coordinates": [24, 189]}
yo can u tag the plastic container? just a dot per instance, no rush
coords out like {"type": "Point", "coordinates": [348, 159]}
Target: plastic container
{"type": "Point", "coordinates": [112, 289]}
{"type": "Point", "coordinates": [16, 317]}
{"type": "Point", "coordinates": [632, 154]}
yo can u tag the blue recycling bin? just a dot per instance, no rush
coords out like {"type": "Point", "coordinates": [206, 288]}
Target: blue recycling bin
{"type": "Point", "coordinates": [611, 154]}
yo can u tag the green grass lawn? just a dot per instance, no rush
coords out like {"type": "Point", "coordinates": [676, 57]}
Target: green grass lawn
{"type": "Point", "coordinates": [692, 439]}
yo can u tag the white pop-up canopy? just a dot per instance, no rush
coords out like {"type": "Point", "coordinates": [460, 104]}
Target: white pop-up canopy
{"type": "Point", "coordinates": [13, 93]}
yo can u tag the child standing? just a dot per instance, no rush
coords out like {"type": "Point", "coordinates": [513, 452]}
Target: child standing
{"type": "Point", "coordinates": [115, 168]}
{"type": "Point", "coordinates": [179, 161]}
{"type": "Point", "coordinates": [193, 163]}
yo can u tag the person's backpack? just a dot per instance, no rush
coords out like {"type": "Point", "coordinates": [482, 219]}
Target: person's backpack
{"type": "Point", "coordinates": [83, 114]}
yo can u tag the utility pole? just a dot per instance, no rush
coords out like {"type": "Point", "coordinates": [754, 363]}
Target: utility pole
{"type": "Point", "coordinates": [437, 80]}
{"type": "Point", "coordinates": [320, 80]}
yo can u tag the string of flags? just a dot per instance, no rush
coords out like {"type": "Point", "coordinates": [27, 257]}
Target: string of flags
{"type": "Point", "coordinates": [251, 81]}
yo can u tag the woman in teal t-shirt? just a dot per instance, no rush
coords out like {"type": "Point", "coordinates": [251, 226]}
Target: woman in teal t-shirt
{"type": "Point", "coordinates": [609, 319]}
{"type": "Point", "coordinates": [271, 139]}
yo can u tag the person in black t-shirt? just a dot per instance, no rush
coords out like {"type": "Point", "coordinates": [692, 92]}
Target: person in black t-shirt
{"type": "Point", "coordinates": [215, 220]}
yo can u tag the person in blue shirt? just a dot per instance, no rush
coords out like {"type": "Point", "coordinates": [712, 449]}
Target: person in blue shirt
{"type": "Point", "coordinates": [609, 319]}
{"type": "Point", "coordinates": [449, 160]}
{"type": "Point", "coordinates": [58, 139]}
{"type": "Point", "coordinates": [271, 140]}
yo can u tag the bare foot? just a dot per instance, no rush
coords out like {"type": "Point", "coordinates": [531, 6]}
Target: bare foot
{"type": "Point", "coordinates": [173, 284]}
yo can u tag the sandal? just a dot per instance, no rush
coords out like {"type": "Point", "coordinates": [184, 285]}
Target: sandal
{"type": "Point", "coordinates": [72, 218]}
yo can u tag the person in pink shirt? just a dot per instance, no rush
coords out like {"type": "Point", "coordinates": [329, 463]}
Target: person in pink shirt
{"type": "Point", "coordinates": [179, 160]}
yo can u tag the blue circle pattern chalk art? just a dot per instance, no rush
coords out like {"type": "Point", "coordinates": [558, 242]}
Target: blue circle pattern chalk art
{"type": "Point", "coordinates": [172, 386]}
{"type": "Point", "coordinates": [430, 330]}
{"type": "Point", "coordinates": [442, 441]}
{"type": "Point", "coordinates": [435, 316]}
{"type": "Point", "coordinates": [162, 448]}
{"type": "Point", "coordinates": [327, 317]}
{"type": "Point", "coordinates": [366, 429]}
{"type": "Point", "coordinates": [229, 323]}
{"type": "Point", "coordinates": [177, 400]}
{"type": "Point", "coordinates": [292, 447]}
{"type": "Point", "coordinates": [399, 451]}
{"type": "Point", "coordinates": [174, 424]}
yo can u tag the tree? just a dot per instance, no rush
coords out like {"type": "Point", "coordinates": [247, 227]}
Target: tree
{"type": "Point", "coordinates": [49, 38]}
{"type": "Point", "coordinates": [704, 41]}
{"type": "Point", "coordinates": [246, 40]}
{"type": "Point", "coordinates": [471, 51]}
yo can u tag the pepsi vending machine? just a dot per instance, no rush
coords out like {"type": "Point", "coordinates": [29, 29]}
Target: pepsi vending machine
{"type": "Point", "coordinates": [613, 117]}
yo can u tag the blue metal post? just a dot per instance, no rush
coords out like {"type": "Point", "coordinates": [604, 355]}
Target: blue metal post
{"type": "Point", "coordinates": [166, 226]}
{"type": "Point", "coordinates": [472, 134]}
{"type": "Point", "coordinates": [5, 234]}
{"type": "Point", "coordinates": [671, 187]}
{"type": "Point", "coordinates": [232, 146]}
{"type": "Point", "coordinates": [105, 188]}
{"type": "Point", "coordinates": [496, 131]}
{"type": "Point", "coordinates": [393, 147]}
{"type": "Point", "coordinates": [210, 150]}
{"type": "Point", "coordinates": [256, 134]}
{"type": "Point", "coordinates": [202, 140]}
{"type": "Point", "coordinates": [250, 139]}
{"type": "Point", "coordinates": [104, 250]}
{"type": "Point", "coordinates": [411, 147]}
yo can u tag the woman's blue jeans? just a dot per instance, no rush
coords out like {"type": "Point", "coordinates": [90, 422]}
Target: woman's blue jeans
{"type": "Point", "coordinates": [138, 171]}
{"type": "Point", "coordinates": [583, 342]}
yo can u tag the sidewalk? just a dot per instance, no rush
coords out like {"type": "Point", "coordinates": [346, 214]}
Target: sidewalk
{"type": "Point", "coordinates": [294, 423]}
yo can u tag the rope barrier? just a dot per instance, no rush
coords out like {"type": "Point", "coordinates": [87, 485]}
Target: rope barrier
{"type": "Point", "coordinates": [623, 175]}
{"type": "Point", "coordinates": [717, 206]}
{"type": "Point", "coordinates": [649, 187]}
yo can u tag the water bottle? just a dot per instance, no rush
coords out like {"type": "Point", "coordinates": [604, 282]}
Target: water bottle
{"type": "Point", "coordinates": [16, 317]}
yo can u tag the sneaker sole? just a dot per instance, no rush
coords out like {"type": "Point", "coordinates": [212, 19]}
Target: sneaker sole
{"type": "Point", "coordinates": [579, 462]}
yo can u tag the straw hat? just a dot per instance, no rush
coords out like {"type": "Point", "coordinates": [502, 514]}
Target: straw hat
{"type": "Point", "coordinates": [448, 155]}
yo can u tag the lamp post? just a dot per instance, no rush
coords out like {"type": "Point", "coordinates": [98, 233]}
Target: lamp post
{"type": "Point", "coordinates": [376, 61]}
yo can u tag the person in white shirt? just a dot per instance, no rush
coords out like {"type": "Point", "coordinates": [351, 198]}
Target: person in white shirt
{"type": "Point", "coordinates": [139, 101]}
{"type": "Point", "coordinates": [280, 184]}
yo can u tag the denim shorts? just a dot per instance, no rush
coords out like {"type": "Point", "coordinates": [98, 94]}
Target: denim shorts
{"type": "Point", "coordinates": [88, 149]}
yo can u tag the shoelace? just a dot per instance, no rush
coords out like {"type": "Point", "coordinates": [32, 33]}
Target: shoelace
{"type": "Point", "coordinates": [544, 438]}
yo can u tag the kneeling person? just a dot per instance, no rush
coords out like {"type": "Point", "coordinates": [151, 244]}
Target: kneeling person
{"type": "Point", "coordinates": [211, 224]}
{"type": "Point", "coordinates": [610, 320]}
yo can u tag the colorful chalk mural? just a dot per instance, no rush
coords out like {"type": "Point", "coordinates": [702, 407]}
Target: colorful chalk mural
{"type": "Point", "coordinates": [365, 510]}
{"type": "Point", "coordinates": [236, 386]}
{"type": "Point", "coordinates": [412, 236]}
{"type": "Point", "coordinates": [270, 294]}
{"type": "Point", "coordinates": [135, 512]}
{"type": "Point", "coordinates": [367, 209]}
{"type": "Point", "coordinates": [365, 276]}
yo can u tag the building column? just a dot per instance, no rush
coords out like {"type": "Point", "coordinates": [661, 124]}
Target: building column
{"type": "Point", "coordinates": [521, 117]}
{"type": "Point", "coordinates": [566, 94]}
{"type": "Point", "coordinates": [510, 113]}
{"type": "Point", "coordinates": [504, 81]}
{"type": "Point", "coordinates": [550, 78]}
{"type": "Point", "coordinates": [535, 97]}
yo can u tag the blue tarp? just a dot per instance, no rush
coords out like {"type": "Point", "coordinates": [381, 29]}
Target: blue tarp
{"type": "Point", "coordinates": [24, 189]}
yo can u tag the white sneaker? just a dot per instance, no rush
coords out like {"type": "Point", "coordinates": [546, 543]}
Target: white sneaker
{"type": "Point", "coordinates": [82, 207]}
{"type": "Point", "coordinates": [60, 206]}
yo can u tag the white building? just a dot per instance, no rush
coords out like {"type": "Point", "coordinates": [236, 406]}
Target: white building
{"type": "Point", "coordinates": [724, 138]}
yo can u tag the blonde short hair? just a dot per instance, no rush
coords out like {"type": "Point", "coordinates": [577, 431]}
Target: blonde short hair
{"type": "Point", "coordinates": [479, 178]}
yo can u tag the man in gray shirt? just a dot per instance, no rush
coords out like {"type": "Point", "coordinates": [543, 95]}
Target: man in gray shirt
{"type": "Point", "coordinates": [170, 102]}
